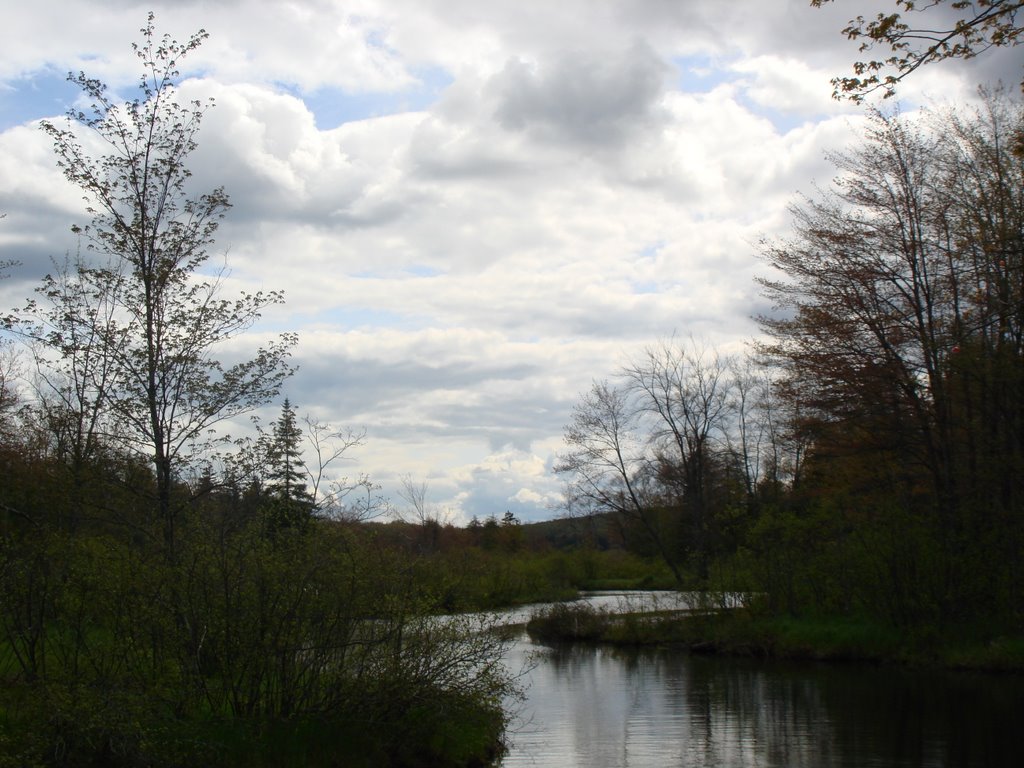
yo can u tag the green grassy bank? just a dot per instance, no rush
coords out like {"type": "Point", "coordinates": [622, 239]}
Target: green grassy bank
{"type": "Point", "coordinates": [745, 633]}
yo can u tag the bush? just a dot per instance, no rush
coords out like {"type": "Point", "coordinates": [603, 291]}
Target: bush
{"type": "Point", "coordinates": [568, 622]}
{"type": "Point", "coordinates": [245, 650]}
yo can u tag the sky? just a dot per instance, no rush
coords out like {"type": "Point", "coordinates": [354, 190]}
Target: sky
{"type": "Point", "coordinates": [475, 209]}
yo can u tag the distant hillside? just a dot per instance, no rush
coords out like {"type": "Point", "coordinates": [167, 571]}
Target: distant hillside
{"type": "Point", "coordinates": [598, 532]}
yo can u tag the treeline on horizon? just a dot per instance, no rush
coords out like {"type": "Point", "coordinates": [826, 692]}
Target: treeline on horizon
{"type": "Point", "coordinates": [866, 457]}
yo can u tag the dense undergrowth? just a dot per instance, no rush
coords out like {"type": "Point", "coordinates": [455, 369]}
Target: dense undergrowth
{"type": "Point", "coordinates": [301, 647]}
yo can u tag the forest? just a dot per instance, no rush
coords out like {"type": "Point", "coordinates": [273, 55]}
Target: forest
{"type": "Point", "coordinates": [174, 597]}
{"type": "Point", "coordinates": [865, 456]}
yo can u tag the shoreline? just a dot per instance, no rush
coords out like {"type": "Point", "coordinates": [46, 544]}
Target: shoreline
{"type": "Point", "coordinates": [737, 633]}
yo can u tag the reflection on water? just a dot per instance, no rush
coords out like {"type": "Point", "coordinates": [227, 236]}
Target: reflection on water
{"type": "Point", "coordinates": [595, 707]}
{"type": "Point", "coordinates": [620, 602]}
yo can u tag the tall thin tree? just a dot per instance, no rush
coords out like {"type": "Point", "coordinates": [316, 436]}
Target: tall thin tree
{"type": "Point", "coordinates": [164, 387]}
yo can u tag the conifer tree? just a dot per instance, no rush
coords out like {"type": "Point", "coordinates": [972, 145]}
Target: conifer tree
{"type": "Point", "coordinates": [289, 501]}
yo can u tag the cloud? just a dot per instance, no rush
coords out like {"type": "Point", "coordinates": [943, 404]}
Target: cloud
{"type": "Point", "coordinates": [506, 480]}
{"type": "Point", "coordinates": [517, 197]}
{"type": "Point", "coordinates": [586, 99]}
{"type": "Point", "coordinates": [787, 85]}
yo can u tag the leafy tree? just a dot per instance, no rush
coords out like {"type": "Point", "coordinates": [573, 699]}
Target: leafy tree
{"type": "Point", "coordinates": [8, 395]}
{"type": "Point", "coordinates": [901, 335]}
{"type": "Point", "coordinates": [154, 321]}
{"type": "Point", "coordinates": [974, 27]}
{"type": "Point", "coordinates": [490, 533]}
{"type": "Point", "coordinates": [219, 644]}
{"type": "Point", "coordinates": [68, 333]}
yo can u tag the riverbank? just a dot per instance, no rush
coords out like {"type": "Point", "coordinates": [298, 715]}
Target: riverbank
{"type": "Point", "coordinates": [447, 730]}
{"type": "Point", "coordinates": [739, 632]}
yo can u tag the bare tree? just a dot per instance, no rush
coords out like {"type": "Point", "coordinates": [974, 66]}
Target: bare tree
{"type": "Point", "coordinates": [415, 495]}
{"type": "Point", "coordinates": [683, 392]}
{"type": "Point", "coordinates": [349, 498]}
{"type": "Point", "coordinates": [608, 468]}
{"type": "Point", "coordinates": [426, 516]}
{"type": "Point", "coordinates": [764, 435]}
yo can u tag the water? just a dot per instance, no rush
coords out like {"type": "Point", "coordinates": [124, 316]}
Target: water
{"type": "Point", "coordinates": [599, 706]}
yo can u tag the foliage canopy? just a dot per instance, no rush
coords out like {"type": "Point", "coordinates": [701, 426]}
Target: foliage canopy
{"type": "Point", "coordinates": [964, 29]}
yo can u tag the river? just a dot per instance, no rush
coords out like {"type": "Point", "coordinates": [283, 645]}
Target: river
{"type": "Point", "coordinates": [599, 707]}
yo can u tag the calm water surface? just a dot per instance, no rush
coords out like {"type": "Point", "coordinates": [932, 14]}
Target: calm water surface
{"type": "Point", "coordinates": [597, 707]}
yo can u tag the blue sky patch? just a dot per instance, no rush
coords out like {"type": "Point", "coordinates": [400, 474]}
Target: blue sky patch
{"type": "Point", "coordinates": [700, 74]}
{"type": "Point", "coordinates": [43, 94]}
{"type": "Point", "coordinates": [422, 270]}
{"type": "Point", "coordinates": [332, 107]}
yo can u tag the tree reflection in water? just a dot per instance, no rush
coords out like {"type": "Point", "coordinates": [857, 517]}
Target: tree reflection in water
{"type": "Point", "coordinates": [598, 706]}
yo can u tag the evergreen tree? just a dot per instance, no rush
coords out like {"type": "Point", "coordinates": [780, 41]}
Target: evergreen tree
{"type": "Point", "coordinates": [287, 471]}
{"type": "Point", "coordinates": [289, 502]}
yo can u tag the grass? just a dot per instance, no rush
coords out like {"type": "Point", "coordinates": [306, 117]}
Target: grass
{"type": "Point", "coordinates": [1004, 654]}
{"type": "Point", "coordinates": [647, 581]}
{"type": "Point", "coordinates": [741, 633]}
